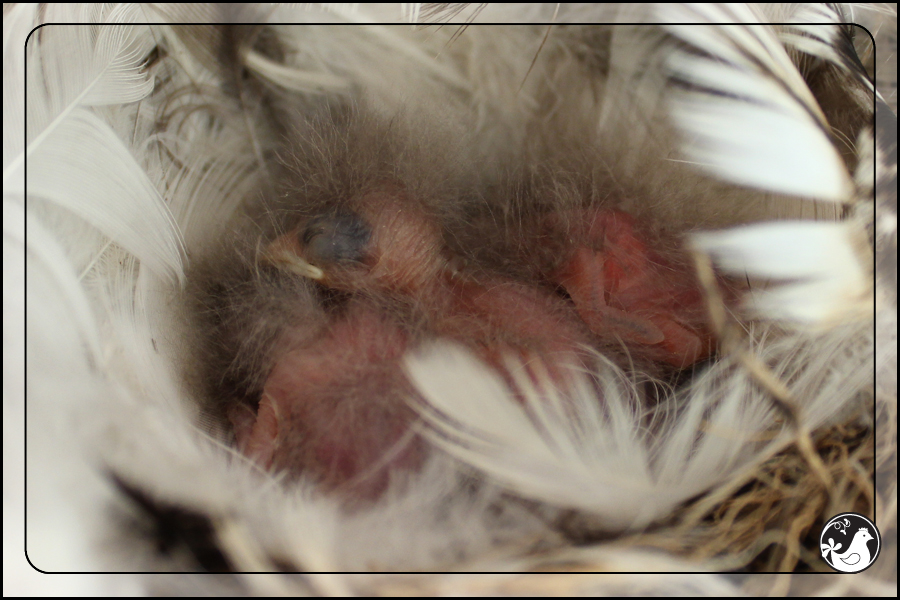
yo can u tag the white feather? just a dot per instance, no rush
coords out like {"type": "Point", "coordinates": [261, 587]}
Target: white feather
{"type": "Point", "coordinates": [753, 120]}
{"type": "Point", "coordinates": [47, 253]}
{"type": "Point", "coordinates": [90, 67]}
{"type": "Point", "coordinates": [17, 23]}
{"type": "Point", "coordinates": [591, 445]}
{"type": "Point", "coordinates": [75, 161]}
{"type": "Point", "coordinates": [83, 167]}
{"type": "Point", "coordinates": [811, 29]}
{"type": "Point", "coordinates": [819, 277]}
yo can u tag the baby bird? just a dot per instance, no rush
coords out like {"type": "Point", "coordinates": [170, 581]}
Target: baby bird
{"type": "Point", "coordinates": [377, 275]}
{"type": "Point", "coordinates": [335, 407]}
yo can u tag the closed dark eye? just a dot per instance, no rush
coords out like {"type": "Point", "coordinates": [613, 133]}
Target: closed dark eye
{"type": "Point", "coordinates": [334, 238]}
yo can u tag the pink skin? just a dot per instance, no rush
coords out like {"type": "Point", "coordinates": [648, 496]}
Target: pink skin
{"type": "Point", "coordinates": [334, 410]}
{"type": "Point", "coordinates": [499, 317]}
{"type": "Point", "coordinates": [624, 291]}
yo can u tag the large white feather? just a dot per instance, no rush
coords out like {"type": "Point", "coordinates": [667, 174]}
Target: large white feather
{"type": "Point", "coordinates": [815, 269]}
{"type": "Point", "coordinates": [747, 115]}
{"type": "Point", "coordinates": [75, 160]}
{"type": "Point", "coordinates": [590, 445]}
{"type": "Point", "coordinates": [81, 165]}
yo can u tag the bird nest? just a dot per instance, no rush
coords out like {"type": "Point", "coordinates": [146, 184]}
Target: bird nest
{"type": "Point", "coordinates": [214, 211]}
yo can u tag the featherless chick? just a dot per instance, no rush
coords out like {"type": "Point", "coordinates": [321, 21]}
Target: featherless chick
{"type": "Point", "coordinates": [378, 279]}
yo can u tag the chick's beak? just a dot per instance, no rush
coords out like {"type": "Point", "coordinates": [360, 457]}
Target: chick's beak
{"type": "Point", "coordinates": [285, 253]}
